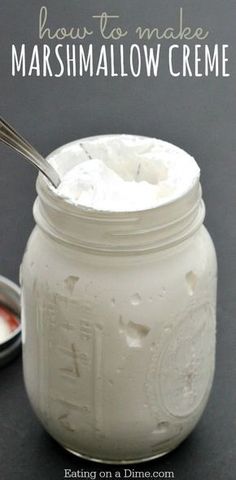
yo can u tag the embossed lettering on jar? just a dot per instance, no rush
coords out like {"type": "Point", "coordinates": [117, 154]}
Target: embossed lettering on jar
{"type": "Point", "coordinates": [118, 320]}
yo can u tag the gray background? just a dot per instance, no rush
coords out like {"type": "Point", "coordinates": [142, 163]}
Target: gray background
{"type": "Point", "coordinates": [198, 115]}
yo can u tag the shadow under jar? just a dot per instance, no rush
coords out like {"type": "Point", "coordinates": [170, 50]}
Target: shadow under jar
{"type": "Point", "coordinates": [119, 325]}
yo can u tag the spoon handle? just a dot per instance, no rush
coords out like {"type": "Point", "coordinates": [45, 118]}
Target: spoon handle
{"type": "Point", "coordinates": [11, 138]}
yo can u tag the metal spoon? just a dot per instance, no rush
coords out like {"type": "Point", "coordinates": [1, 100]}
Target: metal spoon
{"type": "Point", "coordinates": [9, 136]}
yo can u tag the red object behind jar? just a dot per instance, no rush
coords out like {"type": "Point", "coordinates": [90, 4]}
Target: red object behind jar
{"type": "Point", "coordinates": [10, 345]}
{"type": "Point", "coordinates": [9, 318]}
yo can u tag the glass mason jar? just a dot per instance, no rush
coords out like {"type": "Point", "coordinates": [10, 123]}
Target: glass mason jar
{"type": "Point", "coordinates": [118, 324]}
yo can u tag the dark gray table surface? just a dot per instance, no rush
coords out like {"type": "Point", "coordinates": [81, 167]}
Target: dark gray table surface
{"type": "Point", "coordinates": [198, 115]}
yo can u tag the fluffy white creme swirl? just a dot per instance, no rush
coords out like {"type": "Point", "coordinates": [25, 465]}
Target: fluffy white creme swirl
{"type": "Point", "coordinates": [121, 173]}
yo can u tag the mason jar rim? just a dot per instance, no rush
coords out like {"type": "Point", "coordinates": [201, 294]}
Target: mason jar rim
{"type": "Point", "coordinates": [178, 214]}
{"type": "Point", "coordinates": [44, 185]}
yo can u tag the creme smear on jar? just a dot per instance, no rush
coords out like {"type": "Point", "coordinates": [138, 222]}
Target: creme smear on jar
{"type": "Point", "coordinates": [119, 299]}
